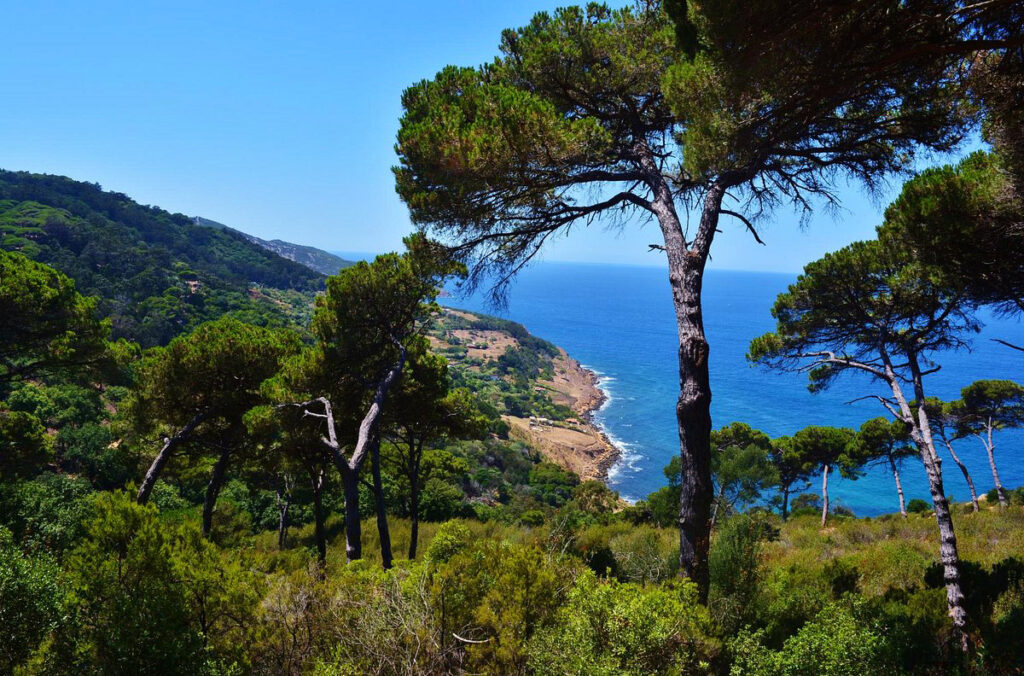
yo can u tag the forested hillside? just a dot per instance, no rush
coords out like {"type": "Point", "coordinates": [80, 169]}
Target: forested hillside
{"type": "Point", "coordinates": [322, 261]}
{"type": "Point", "coordinates": [337, 476]}
{"type": "Point", "coordinates": [156, 273]}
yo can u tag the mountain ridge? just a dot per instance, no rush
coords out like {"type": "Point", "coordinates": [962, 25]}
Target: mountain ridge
{"type": "Point", "coordinates": [324, 262]}
{"type": "Point", "coordinates": [156, 273]}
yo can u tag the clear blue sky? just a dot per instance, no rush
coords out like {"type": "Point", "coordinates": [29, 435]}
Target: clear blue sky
{"type": "Point", "coordinates": [279, 118]}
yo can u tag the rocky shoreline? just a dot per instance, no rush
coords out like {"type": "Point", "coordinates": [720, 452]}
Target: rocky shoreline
{"type": "Point", "coordinates": [577, 444]}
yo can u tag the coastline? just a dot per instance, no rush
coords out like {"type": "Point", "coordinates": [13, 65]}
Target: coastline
{"type": "Point", "coordinates": [578, 444]}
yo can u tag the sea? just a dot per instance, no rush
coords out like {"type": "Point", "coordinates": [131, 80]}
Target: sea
{"type": "Point", "coordinates": [617, 320]}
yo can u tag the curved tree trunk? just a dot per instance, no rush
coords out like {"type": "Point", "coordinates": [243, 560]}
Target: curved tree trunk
{"type": "Point", "coordinates": [963, 470]}
{"type": "Point", "coordinates": [899, 486]}
{"type": "Point", "coordinates": [920, 432]}
{"type": "Point", "coordinates": [160, 461]}
{"type": "Point", "coordinates": [824, 495]}
{"type": "Point", "coordinates": [320, 533]}
{"type": "Point", "coordinates": [382, 515]}
{"type": "Point", "coordinates": [220, 469]}
{"type": "Point", "coordinates": [948, 554]}
{"type": "Point", "coordinates": [785, 503]}
{"type": "Point", "coordinates": [990, 450]}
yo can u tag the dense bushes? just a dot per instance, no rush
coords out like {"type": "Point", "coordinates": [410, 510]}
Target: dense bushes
{"type": "Point", "coordinates": [579, 593]}
{"type": "Point", "coordinates": [615, 628]}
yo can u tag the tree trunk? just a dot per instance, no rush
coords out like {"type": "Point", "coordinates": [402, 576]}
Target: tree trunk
{"type": "Point", "coordinates": [693, 408]}
{"type": "Point", "coordinates": [899, 487]}
{"type": "Point", "coordinates": [920, 432]}
{"type": "Point", "coordinates": [284, 503]}
{"type": "Point", "coordinates": [213, 490]}
{"type": "Point", "coordinates": [967, 476]}
{"type": "Point", "coordinates": [990, 450]}
{"type": "Point", "coordinates": [382, 515]}
{"type": "Point", "coordinates": [414, 516]}
{"type": "Point", "coordinates": [353, 527]}
{"type": "Point", "coordinates": [717, 506]}
{"type": "Point", "coordinates": [824, 495]}
{"type": "Point", "coordinates": [157, 466]}
{"type": "Point", "coordinates": [349, 467]}
{"type": "Point", "coordinates": [785, 503]}
{"type": "Point", "coordinates": [320, 533]}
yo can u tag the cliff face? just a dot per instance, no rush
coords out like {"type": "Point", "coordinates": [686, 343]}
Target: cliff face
{"type": "Point", "coordinates": [545, 396]}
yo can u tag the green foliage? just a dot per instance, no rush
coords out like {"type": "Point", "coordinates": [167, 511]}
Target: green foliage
{"type": "Point", "coordinates": [24, 446]}
{"type": "Point", "coordinates": [825, 310]}
{"type": "Point", "coordinates": [833, 446]}
{"type": "Point", "coordinates": [502, 593]}
{"type": "Point", "coordinates": [644, 555]}
{"type": "Point", "coordinates": [157, 274]}
{"type": "Point", "coordinates": [49, 328]}
{"type": "Point", "coordinates": [148, 598]}
{"type": "Point", "coordinates": [881, 439]}
{"type": "Point", "coordinates": [753, 92]}
{"type": "Point", "coordinates": [594, 499]}
{"type": "Point", "coordinates": [736, 570]}
{"type": "Point", "coordinates": [127, 608]}
{"type": "Point", "coordinates": [965, 221]}
{"type": "Point", "coordinates": [740, 466]}
{"type": "Point", "coordinates": [839, 641]}
{"type": "Point", "coordinates": [47, 512]}
{"type": "Point", "coordinates": [552, 484]}
{"type": "Point", "coordinates": [919, 506]}
{"type": "Point", "coordinates": [509, 143]}
{"type": "Point", "coordinates": [30, 601]}
{"type": "Point", "coordinates": [83, 443]}
{"type": "Point", "coordinates": [998, 404]}
{"type": "Point", "coordinates": [215, 370]}
{"type": "Point", "coordinates": [371, 306]}
{"type": "Point", "coordinates": [451, 538]}
{"type": "Point", "coordinates": [613, 628]}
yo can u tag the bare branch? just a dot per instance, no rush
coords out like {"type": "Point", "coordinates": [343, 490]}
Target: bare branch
{"type": "Point", "coordinates": [1009, 345]}
{"type": "Point", "coordinates": [888, 403]}
{"type": "Point", "coordinates": [750, 226]}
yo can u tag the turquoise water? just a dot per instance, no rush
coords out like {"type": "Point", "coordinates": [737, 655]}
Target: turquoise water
{"type": "Point", "coordinates": [618, 321]}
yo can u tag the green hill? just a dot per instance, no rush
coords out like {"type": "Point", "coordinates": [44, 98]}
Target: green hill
{"type": "Point", "coordinates": [157, 273]}
{"type": "Point", "coordinates": [315, 259]}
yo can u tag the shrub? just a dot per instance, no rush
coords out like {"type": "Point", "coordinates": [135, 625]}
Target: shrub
{"type": "Point", "coordinates": [551, 484]}
{"type": "Point", "coordinates": [128, 612]}
{"type": "Point", "coordinates": [613, 628]}
{"type": "Point", "coordinates": [147, 597]}
{"type": "Point", "coordinates": [500, 593]}
{"type": "Point", "coordinates": [735, 567]}
{"type": "Point", "coordinates": [47, 512]}
{"type": "Point", "coordinates": [30, 600]}
{"type": "Point", "coordinates": [451, 538]}
{"type": "Point", "coordinates": [645, 554]}
{"type": "Point", "coordinates": [839, 641]}
{"type": "Point", "coordinates": [918, 506]}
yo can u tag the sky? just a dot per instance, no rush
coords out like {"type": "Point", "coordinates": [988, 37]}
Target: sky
{"type": "Point", "coordinates": [279, 118]}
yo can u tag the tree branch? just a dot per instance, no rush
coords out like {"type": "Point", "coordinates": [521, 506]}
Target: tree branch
{"type": "Point", "coordinates": [750, 226]}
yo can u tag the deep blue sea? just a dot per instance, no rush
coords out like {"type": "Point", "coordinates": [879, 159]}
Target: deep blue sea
{"type": "Point", "coordinates": [617, 320]}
